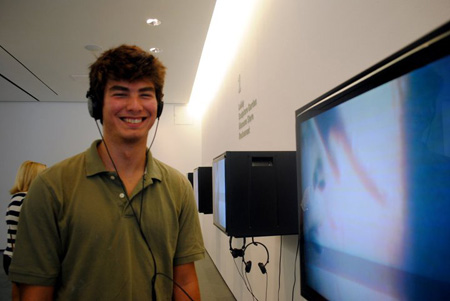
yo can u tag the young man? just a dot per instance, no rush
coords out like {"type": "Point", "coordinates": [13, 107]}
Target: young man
{"type": "Point", "coordinates": [112, 223]}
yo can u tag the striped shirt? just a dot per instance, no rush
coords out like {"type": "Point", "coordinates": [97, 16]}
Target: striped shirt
{"type": "Point", "coordinates": [12, 220]}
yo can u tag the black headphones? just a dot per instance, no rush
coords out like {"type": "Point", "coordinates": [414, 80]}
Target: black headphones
{"type": "Point", "coordinates": [248, 264]}
{"type": "Point", "coordinates": [95, 106]}
{"type": "Point", "coordinates": [237, 252]}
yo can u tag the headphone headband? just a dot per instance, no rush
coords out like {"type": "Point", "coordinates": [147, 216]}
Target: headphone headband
{"type": "Point", "coordinates": [248, 264]}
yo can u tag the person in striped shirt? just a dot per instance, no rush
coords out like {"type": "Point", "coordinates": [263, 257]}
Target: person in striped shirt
{"type": "Point", "coordinates": [28, 170]}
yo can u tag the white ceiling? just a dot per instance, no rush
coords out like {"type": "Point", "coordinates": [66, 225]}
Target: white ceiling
{"type": "Point", "coordinates": [42, 54]}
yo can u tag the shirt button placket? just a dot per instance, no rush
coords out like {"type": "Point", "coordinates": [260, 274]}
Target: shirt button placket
{"type": "Point", "coordinates": [113, 178]}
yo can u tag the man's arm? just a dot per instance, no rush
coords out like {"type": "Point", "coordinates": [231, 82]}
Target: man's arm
{"type": "Point", "coordinates": [35, 293]}
{"type": "Point", "coordinates": [185, 276]}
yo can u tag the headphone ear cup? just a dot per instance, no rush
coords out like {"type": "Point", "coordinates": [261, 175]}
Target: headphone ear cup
{"type": "Point", "coordinates": [160, 109]}
{"type": "Point", "coordinates": [91, 108]}
{"type": "Point", "coordinates": [94, 107]}
{"type": "Point", "coordinates": [237, 253]}
{"type": "Point", "coordinates": [248, 266]}
{"type": "Point", "coordinates": [262, 267]}
{"type": "Point", "coordinates": [234, 253]}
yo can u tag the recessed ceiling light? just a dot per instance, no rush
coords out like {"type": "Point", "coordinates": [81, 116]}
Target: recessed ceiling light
{"type": "Point", "coordinates": [155, 50]}
{"type": "Point", "coordinates": [153, 22]}
{"type": "Point", "coordinates": [93, 48]}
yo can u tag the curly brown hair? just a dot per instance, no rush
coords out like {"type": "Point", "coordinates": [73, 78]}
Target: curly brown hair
{"type": "Point", "coordinates": [125, 62]}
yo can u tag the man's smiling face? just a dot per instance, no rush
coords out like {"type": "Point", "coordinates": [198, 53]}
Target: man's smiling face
{"type": "Point", "coordinates": [129, 109]}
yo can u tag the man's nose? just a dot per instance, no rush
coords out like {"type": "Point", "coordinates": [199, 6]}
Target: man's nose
{"type": "Point", "coordinates": [134, 103]}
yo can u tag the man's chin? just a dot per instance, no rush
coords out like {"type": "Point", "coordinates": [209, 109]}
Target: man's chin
{"type": "Point", "coordinates": [131, 139]}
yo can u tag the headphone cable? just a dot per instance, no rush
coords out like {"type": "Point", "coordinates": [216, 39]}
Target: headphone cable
{"type": "Point", "coordinates": [154, 135]}
{"type": "Point", "coordinates": [138, 220]}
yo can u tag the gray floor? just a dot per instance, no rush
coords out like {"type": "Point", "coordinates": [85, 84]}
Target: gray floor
{"type": "Point", "coordinates": [212, 286]}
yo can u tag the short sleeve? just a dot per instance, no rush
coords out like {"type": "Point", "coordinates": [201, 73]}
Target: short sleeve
{"type": "Point", "coordinates": [190, 245]}
{"type": "Point", "coordinates": [36, 258]}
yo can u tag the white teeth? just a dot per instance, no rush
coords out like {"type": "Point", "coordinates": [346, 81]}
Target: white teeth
{"type": "Point", "coordinates": [130, 120]}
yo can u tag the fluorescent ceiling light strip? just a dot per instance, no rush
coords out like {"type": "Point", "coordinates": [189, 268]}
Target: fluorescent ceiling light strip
{"type": "Point", "coordinates": [229, 23]}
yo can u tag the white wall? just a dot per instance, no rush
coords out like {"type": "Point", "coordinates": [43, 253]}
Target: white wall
{"type": "Point", "coordinates": [49, 132]}
{"type": "Point", "coordinates": [178, 140]}
{"type": "Point", "coordinates": [295, 51]}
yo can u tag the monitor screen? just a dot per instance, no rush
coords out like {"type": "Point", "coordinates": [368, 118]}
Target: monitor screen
{"type": "Point", "coordinates": [374, 175]}
{"type": "Point", "coordinates": [196, 188]}
{"type": "Point", "coordinates": [219, 205]}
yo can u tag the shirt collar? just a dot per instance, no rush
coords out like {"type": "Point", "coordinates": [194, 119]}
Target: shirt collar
{"type": "Point", "coordinates": [94, 164]}
{"type": "Point", "coordinates": [153, 168]}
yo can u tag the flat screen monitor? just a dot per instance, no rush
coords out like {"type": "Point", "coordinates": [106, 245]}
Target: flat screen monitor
{"type": "Point", "coordinates": [190, 176]}
{"type": "Point", "coordinates": [202, 179]}
{"type": "Point", "coordinates": [373, 169]}
{"type": "Point", "coordinates": [255, 193]}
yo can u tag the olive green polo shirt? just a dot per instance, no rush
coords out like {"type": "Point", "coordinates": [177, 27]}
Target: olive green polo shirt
{"type": "Point", "coordinates": [78, 232]}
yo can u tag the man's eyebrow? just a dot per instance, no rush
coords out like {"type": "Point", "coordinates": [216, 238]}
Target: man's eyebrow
{"type": "Point", "coordinates": [122, 88]}
{"type": "Point", "coordinates": [118, 88]}
{"type": "Point", "coordinates": [147, 89]}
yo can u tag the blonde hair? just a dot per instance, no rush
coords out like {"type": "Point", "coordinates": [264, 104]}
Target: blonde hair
{"type": "Point", "coordinates": [25, 175]}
